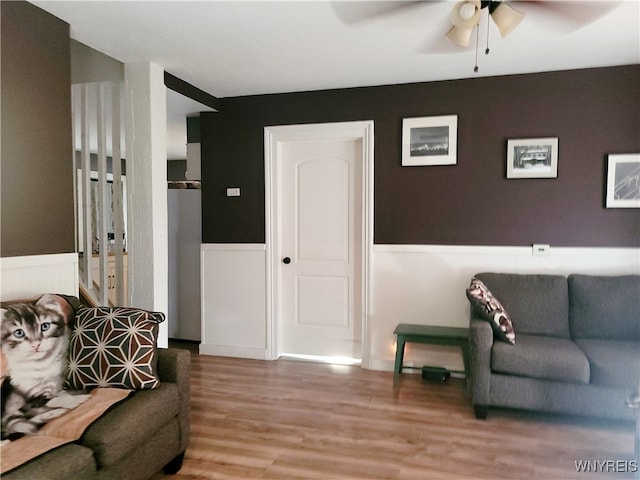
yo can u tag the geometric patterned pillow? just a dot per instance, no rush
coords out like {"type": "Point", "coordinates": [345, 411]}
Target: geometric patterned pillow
{"type": "Point", "coordinates": [492, 310]}
{"type": "Point", "coordinates": [114, 347]}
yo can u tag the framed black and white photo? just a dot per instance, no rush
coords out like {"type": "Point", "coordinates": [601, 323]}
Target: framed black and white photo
{"type": "Point", "coordinates": [429, 141]}
{"type": "Point", "coordinates": [623, 181]}
{"type": "Point", "coordinates": [532, 158]}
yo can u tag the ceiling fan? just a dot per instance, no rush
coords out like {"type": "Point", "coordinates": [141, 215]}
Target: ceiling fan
{"type": "Point", "coordinates": [465, 16]}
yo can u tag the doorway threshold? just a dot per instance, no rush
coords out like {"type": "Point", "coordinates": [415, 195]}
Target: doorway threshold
{"type": "Point", "coordinates": [333, 360]}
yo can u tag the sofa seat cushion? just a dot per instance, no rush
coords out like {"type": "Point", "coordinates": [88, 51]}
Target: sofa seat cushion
{"type": "Point", "coordinates": [72, 462]}
{"type": "Point", "coordinates": [613, 363]}
{"type": "Point", "coordinates": [536, 356]}
{"type": "Point", "coordinates": [130, 422]}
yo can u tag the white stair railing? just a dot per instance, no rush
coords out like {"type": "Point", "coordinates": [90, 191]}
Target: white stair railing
{"type": "Point", "coordinates": [101, 207]}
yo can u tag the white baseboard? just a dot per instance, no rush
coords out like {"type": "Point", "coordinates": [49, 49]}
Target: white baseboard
{"type": "Point", "coordinates": [233, 351]}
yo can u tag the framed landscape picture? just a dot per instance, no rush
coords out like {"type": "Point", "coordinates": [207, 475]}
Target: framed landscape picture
{"type": "Point", "coordinates": [623, 181]}
{"type": "Point", "coordinates": [429, 141]}
{"type": "Point", "coordinates": [532, 158]}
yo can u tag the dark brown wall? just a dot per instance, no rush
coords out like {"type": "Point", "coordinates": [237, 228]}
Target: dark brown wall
{"type": "Point", "coordinates": [37, 174]}
{"type": "Point", "coordinates": [593, 112]}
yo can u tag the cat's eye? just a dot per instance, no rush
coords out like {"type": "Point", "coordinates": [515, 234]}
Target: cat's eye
{"type": "Point", "coordinates": [45, 326]}
{"type": "Point", "coordinates": [19, 333]}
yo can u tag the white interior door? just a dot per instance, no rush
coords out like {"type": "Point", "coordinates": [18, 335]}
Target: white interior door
{"type": "Point", "coordinates": [320, 247]}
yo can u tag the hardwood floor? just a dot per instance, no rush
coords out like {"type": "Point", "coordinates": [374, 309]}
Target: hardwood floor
{"type": "Point", "coordinates": [292, 420]}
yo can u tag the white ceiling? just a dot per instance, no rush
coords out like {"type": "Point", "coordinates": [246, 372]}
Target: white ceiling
{"type": "Point", "coordinates": [241, 48]}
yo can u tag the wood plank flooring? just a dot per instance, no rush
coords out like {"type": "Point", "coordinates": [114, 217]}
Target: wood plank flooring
{"type": "Point", "coordinates": [293, 420]}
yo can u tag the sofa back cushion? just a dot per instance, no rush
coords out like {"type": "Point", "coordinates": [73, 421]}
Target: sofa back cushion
{"type": "Point", "coordinates": [537, 304]}
{"type": "Point", "coordinates": [604, 307]}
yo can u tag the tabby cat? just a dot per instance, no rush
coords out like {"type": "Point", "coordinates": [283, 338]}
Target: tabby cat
{"type": "Point", "coordinates": [35, 343]}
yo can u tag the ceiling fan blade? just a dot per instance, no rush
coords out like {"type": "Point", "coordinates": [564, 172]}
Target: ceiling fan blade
{"type": "Point", "coordinates": [564, 16]}
{"type": "Point", "coordinates": [352, 13]}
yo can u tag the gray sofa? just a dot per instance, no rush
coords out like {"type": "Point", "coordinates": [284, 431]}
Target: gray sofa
{"type": "Point", "coordinates": [134, 440]}
{"type": "Point", "coordinates": [577, 347]}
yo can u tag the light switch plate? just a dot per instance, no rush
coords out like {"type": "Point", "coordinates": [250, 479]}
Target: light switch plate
{"type": "Point", "coordinates": [233, 192]}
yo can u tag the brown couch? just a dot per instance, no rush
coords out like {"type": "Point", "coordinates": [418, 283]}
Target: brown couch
{"type": "Point", "coordinates": [136, 439]}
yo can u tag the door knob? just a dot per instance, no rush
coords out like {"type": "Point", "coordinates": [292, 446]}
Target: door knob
{"type": "Point", "coordinates": [286, 260]}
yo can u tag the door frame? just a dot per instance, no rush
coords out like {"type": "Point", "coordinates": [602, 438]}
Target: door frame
{"type": "Point", "coordinates": [273, 137]}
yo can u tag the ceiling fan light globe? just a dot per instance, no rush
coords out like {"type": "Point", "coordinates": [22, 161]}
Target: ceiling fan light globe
{"type": "Point", "coordinates": [463, 20]}
{"type": "Point", "coordinates": [506, 18]}
{"type": "Point", "coordinates": [468, 10]}
{"type": "Point", "coordinates": [460, 36]}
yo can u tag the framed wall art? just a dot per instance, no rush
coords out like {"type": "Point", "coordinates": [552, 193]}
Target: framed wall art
{"type": "Point", "coordinates": [532, 158]}
{"type": "Point", "coordinates": [623, 181]}
{"type": "Point", "coordinates": [429, 141]}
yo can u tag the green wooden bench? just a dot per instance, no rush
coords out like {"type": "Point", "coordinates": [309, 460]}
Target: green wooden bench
{"type": "Point", "coordinates": [430, 335]}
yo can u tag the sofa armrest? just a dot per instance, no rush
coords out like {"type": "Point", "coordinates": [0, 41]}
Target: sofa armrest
{"type": "Point", "coordinates": [174, 367]}
{"type": "Point", "coordinates": [480, 345]}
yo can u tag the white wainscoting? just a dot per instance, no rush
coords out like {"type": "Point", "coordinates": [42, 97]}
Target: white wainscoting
{"type": "Point", "coordinates": [423, 284]}
{"type": "Point", "coordinates": [233, 301]}
{"type": "Point", "coordinates": [29, 276]}
{"type": "Point", "coordinates": [426, 284]}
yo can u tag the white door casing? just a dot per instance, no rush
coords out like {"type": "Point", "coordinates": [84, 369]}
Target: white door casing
{"type": "Point", "coordinates": [319, 214]}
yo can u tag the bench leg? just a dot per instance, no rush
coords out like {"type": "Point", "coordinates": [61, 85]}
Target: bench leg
{"type": "Point", "coordinates": [397, 367]}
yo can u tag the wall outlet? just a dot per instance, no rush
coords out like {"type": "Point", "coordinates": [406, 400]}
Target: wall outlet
{"type": "Point", "coordinates": [541, 250]}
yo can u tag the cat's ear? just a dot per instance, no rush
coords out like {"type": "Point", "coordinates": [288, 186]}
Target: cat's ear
{"type": "Point", "coordinates": [57, 304]}
{"type": "Point", "coordinates": [2, 312]}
